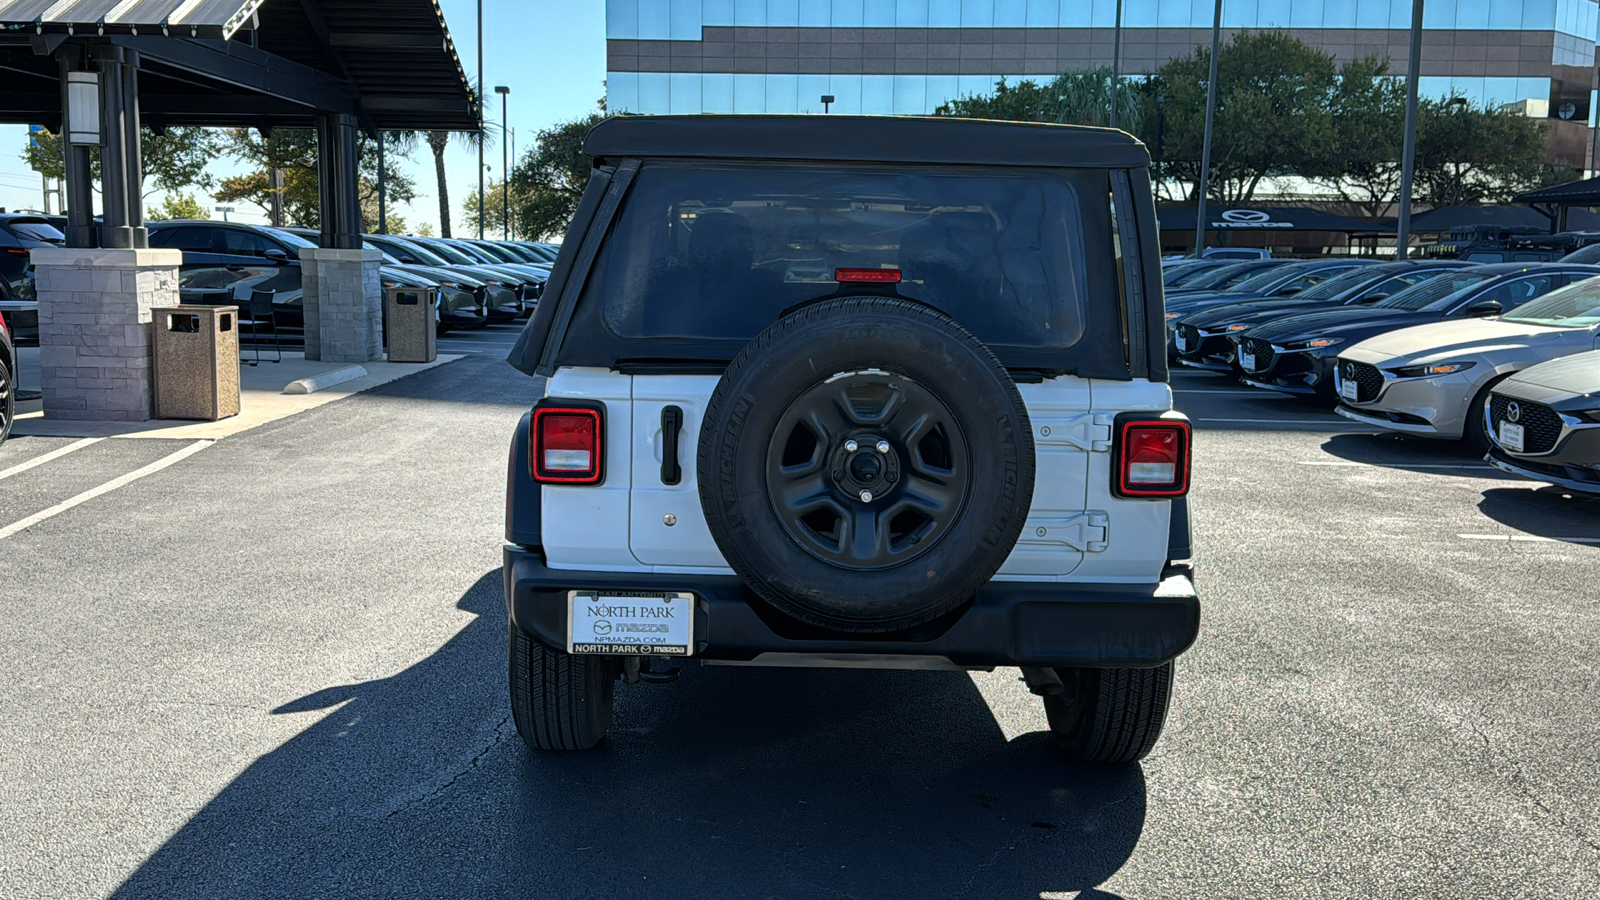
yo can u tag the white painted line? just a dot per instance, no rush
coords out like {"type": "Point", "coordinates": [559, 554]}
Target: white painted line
{"type": "Point", "coordinates": [46, 457]}
{"type": "Point", "coordinates": [1392, 465]}
{"type": "Point", "coordinates": [1528, 539]}
{"type": "Point", "coordinates": [1318, 422]}
{"type": "Point", "coordinates": [106, 488]}
{"type": "Point", "coordinates": [325, 380]}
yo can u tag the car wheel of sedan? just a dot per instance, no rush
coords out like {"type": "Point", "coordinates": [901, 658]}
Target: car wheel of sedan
{"type": "Point", "coordinates": [559, 701]}
{"type": "Point", "coordinates": [8, 400]}
{"type": "Point", "coordinates": [1109, 715]}
{"type": "Point", "coordinates": [1476, 433]}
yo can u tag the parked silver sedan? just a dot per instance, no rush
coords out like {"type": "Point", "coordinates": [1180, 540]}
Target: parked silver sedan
{"type": "Point", "coordinates": [1436, 377]}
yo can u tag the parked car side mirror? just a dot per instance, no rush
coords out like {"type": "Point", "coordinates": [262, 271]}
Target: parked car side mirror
{"type": "Point", "coordinates": [275, 255]}
{"type": "Point", "coordinates": [1484, 308]}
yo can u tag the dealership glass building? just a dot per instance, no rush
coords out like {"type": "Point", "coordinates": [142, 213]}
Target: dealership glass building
{"type": "Point", "coordinates": [908, 56]}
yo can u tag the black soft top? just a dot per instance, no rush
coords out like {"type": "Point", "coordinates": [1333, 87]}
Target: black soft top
{"type": "Point", "coordinates": [882, 139]}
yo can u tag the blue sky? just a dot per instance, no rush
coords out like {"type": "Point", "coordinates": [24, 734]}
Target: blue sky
{"type": "Point", "coordinates": [551, 54]}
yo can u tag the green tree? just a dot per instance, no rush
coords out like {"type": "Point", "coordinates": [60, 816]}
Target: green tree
{"type": "Point", "coordinates": [549, 179]}
{"type": "Point", "coordinates": [179, 206]}
{"type": "Point", "coordinates": [493, 207]}
{"type": "Point", "coordinates": [1024, 101]}
{"type": "Point", "coordinates": [1468, 155]}
{"type": "Point", "coordinates": [437, 142]}
{"type": "Point", "coordinates": [1273, 117]}
{"type": "Point", "coordinates": [1369, 113]}
{"type": "Point", "coordinates": [294, 151]}
{"type": "Point", "coordinates": [1079, 97]}
{"type": "Point", "coordinates": [174, 159]}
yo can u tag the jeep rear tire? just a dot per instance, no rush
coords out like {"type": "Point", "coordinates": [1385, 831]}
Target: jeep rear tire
{"type": "Point", "coordinates": [865, 464]}
{"type": "Point", "coordinates": [559, 701]}
{"type": "Point", "coordinates": [1110, 715]}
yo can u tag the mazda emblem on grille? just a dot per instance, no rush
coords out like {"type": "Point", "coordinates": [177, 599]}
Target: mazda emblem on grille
{"type": "Point", "coordinates": [1513, 412]}
{"type": "Point", "coordinates": [1350, 372]}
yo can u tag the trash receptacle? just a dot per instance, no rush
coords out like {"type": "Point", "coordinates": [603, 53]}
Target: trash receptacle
{"type": "Point", "coordinates": [195, 362]}
{"type": "Point", "coordinates": [410, 318]}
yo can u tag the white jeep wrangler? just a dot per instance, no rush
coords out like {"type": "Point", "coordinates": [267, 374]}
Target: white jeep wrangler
{"type": "Point", "coordinates": [837, 391]}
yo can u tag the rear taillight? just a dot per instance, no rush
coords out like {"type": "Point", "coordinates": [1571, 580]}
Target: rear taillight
{"type": "Point", "coordinates": [17, 251]}
{"type": "Point", "coordinates": [568, 444]}
{"type": "Point", "coordinates": [867, 276]}
{"type": "Point", "coordinates": [1152, 457]}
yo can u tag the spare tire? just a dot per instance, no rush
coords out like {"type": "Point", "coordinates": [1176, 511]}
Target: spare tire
{"type": "Point", "coordinates": [865, 464]}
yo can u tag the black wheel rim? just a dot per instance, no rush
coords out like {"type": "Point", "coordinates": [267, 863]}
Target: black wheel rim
{"type": "Point", "coordinates": [867, 470]}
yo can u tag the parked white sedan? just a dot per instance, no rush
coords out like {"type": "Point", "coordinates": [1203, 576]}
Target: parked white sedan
{"type": "Point", "coordinates": [1435, 378]}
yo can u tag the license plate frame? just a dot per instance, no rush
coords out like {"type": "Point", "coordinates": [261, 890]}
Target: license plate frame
{"type": "Point", "coordinates": [653, 623]}
{"type": "Point", "coordinates": [1181, 341]}
{"type": "Point", "coordinates": [1512, 436]}
{"type": "Point", "coordinates": [1247, 360]}
{"type": "Point", "coordinates": [1349, 389]}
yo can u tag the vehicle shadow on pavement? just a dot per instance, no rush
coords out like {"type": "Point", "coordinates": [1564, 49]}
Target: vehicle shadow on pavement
{"type": "Point", "coordinates": [728, 782]}
{"type": "Point", "coordinates": [1395, 451]}
{"type": "Point", "coordinates": [1547, 512]}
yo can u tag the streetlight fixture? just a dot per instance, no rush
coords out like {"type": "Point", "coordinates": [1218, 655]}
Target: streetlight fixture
{"type": "Point", "coordinates": [1205, 152]}
{"type": "Point", "coordinates": [827, 101]}
{"type": "Point", "coordinates": [1116, 61]}
{"type": "Point", "coordinates": [505, 177]}
{"type": "Point", "coordinates": [224, 210]}
{"type": "Point", "coordinates": [480, 119]}
{"type": "Point", "coordinates": [1408, 155]}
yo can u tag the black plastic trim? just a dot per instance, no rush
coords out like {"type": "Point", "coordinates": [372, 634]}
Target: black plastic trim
{"type": "Point", "coordinates": [524, 500]}
{"type": "Point", "coordinates": [1007, 623]}
{"type": "Point", "coordinates": [671, 427]}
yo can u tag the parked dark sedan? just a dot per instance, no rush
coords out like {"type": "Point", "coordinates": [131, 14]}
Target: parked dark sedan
{"type": "Point", "coordinates": [233, 258]}
{"type": "Point", "coordinates": [1202, 337]}
{"type": "Point", "coordinates": [1279, 281]}
{"type": "Point", "coordinates": [1295, 354]}
{"type": "Point", "coordinates": [506, 295]}
{"type": "Point", "coordinates": [20, 234]}
{"type": "Point", "coordinates": [1544, 423]}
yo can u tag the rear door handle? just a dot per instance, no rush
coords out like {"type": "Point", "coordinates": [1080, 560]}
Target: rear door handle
{"type": "Point", "coordinates": [671, 425]}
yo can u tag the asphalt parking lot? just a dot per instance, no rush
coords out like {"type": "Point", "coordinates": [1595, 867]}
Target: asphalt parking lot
{"type": "Point", "coordinates": [274, 665]}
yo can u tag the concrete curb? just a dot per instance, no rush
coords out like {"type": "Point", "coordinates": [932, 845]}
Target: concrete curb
{"type": "Point", "coordinates": [325, 380]}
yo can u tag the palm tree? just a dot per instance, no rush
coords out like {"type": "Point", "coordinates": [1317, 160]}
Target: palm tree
{"type": "Point", "coordinates": [437, 141]}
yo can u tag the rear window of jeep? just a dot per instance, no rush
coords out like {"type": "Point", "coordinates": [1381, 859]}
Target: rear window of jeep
{"type": "Point", "coordinates": [720, 251]}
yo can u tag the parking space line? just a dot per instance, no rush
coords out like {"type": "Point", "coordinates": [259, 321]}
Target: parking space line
{"type": "Point", "coordinates": [43, 458]}
{"type": "Point", "coordinates": [1390, 465]}
{"type": "Point", "coordinates": [1319, 422]}
{"type": "Point", "coordinates": [103, 489]}
{"type": "Point", "coordinates": [1528, 539]}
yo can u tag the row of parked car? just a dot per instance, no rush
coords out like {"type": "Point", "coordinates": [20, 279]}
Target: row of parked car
{"type": "Point", "coordinates": [226, 263]}
{"type": "Point", "coordinates": [1503, 357]}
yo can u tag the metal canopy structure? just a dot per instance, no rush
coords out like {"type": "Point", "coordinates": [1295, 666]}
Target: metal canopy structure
{"type": "Point", "coordinates": [258, 63]}
{"type": "Point", "coordinates": [1447, 217]}
{"type": "Point", "coordinates": [333, 65]}
{"type": "Point", "coordinates": [1557, 201]}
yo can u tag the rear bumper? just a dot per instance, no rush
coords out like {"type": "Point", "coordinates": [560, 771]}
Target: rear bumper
{"type": "Point", "coordinates": [1007, 624]}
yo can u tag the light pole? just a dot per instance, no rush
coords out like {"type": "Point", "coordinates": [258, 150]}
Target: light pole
{"type": "Point", "coordinates": [1205, 151]}
{"type": "Point", "coordinates": [480, 120]}
{"type": "Point", "coordinates": [1408, 156]}
{"type": "Point", "coordinates": [224, 210]}
{"type": "Point", "coordinates": [827, 101]}
{"type": "Point", "coordinates": [505, 177]}
{"type": "Point", "coordinates": [1116, 62]}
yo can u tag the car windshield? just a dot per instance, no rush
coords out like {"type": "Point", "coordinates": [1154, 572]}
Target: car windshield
{"type": "Point", "coordinates": [720, 251]}
{"type": "Point", "coordinates": [1338, 284]}
{"type": "Point", "coordinates": [1262, 281]}
{"type": "Point", "coordinates": [1217, 276]}
{"type": "Point", "coordinates": [290, 238]}
{"type": "Point", "coordinates": [1587, 255]}
{"type": "Point", "coordinates": [425, 253]}
{"type": "Point", "coordinates": [1435, 290]}
{"type": "Point", "coordinates": [36, 229]}
{"type": "Point", "coordinates": [1574, 306]}
{"type": "Point", "coordinates": [451, 255]}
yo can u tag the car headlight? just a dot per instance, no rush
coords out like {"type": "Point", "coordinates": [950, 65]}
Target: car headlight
{"type": "Point", "coordinates": [1171, 316]}
{"type": "Point", "coordinates": [1434, 369]}
{"type": "Point", "coordinates": [1232, 328]}
{"type": "Point", "coordinates": [1587, 415]}
{"type": "Point", "coordinates": [1316, 344]}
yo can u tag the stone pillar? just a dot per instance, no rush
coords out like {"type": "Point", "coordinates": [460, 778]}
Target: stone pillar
{"type": "Point", "coordinates": [343, 304]}
{"type": "Point", "coordinates": [94, 328]}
